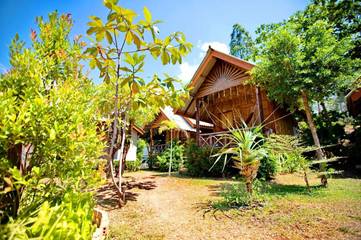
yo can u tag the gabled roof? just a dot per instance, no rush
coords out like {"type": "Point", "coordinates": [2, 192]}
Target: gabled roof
{"type": "Point", "coordinates": [204, 69]}
{"type": "Point", "coordinates": [182, 123]}
{"type": "Point", "coordinates": [138, 129]}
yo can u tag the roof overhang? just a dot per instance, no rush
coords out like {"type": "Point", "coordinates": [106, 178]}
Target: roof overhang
{"type": "Point", "coordinates": [203, 70]}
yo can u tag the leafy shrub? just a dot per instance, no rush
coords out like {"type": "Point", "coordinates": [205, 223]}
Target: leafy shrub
{"type": "Point", "coordinates": [340, 131]}
{"type": "Point", "coordinates": [133, 166]}
{"type": "Point", "coordinates": [198, 162]}
{"type": "Point", "coordinates": [163, 159]}
{"type": "Point", "coordinates": [141, 145]}
{"type": "Point", "coordinates": [330, 128]}
{"type": "Point", "coordinates": [152, 159]}
{"type": "Point", "coordinates": [51, 119]}
{"type": "Point", "coordinates": [236, 195]}
{"type": "Point", "coordinates": [290, 162]}
{"type": "Point", "coordinates": [69, 219]}
{"type": "Point", "coordinates": [268, 168]}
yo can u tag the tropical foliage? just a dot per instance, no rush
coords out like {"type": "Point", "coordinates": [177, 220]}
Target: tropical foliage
{"type": "Point", "coordinates": [48, 137]}
{"type": "Point", "coordinates": [120, 47]}
{"type": "Point", "coordinates": [244, 147]}
{"type": "Point", "coordinates": [198, 162]}
{"type": "Point", "coordinates": [171, 158]}
{"type": "Point", "coordinates": [242, 44]}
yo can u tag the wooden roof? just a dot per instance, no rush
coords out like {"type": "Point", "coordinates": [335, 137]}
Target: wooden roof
{"type": "Point", "coordinates": [215, 66]}
{"type": "Point", "coordinates": [138, 129]}
{"type": "Point", "coordinates": [183, 123]}
{"type": "Point", "coordinates": [354, 102]}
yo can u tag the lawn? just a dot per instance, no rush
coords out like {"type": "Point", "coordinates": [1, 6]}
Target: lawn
{"type": "Point", "coordinates": [176, 207]}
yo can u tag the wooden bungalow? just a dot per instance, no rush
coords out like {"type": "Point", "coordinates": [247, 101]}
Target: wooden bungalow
{"type": "Point", "coordinates": [354, 102]}
{"type": "Point", "coordinates": [185, 129]}
{"type": "Point", "coordinates": [220, 95]}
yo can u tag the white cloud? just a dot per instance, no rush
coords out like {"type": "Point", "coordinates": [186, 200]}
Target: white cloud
{"type": "Point", "coordinates": [219, 46]}
{"type": "Point", "coordinates": [187, 71]}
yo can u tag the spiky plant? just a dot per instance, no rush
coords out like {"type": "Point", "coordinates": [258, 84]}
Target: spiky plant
{"type": "Point", "coordinates": [244, 147]}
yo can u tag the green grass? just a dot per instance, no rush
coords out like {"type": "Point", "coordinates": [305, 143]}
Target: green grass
{"type": "Point", "coordinates": [289, 210]}
{"type": "Point", "coordinates": [293, 212]}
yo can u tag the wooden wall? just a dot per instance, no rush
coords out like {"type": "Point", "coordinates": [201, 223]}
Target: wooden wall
{"type": "Point", "coordinates": [227, 107]}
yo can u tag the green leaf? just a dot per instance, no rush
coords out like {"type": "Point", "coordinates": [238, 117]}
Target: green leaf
{"type": "Point", "coordinates": [129, 59]}
{"type": "Point", "coordinates": [165, 57]}
{"type": "Point", "coordinates": [52, 134]}
{"type": "Point", "coordinates": [109, 37]}
{"type": "Point", "coordinates": [147, 15]}
{"type": "Point", "coordinates": [129, 38]}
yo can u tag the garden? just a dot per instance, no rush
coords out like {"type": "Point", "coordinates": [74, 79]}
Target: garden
{"type": "Point", "coordinates": [65, 140]}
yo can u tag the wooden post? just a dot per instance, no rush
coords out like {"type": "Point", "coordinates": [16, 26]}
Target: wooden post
{"type": "Point", "coordinates": [151, 141]}
{"type": "Point", "coordinates": [259, 105]}
{"type": "Point", "coordinates": [197, 121]}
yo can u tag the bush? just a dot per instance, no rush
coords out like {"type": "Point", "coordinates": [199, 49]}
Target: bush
{"type": "Point", "coordinates": [141, 145]}
{"type": "Point", "coordinates": [235, 195]}
{"type": "Point", "coordinates": [269, 168]}
{"type": "Point", "coordinates": [133, 166]}
{"type": "Point", "coordinates": [162, 160]}
{"type": "Point", "coordinates": [69, 219]}
{"type": "Point", "coordinates": [198, 162]}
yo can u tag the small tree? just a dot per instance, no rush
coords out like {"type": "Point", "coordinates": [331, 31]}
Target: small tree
{"type": "Point", "coordinates": [120, 61]}
{"type": "Point", "coordinates": [244, 147]}
{"type": "Point", "coordinates": [168, 125]}
{"type": "Point", "coordinates": [295, 62]}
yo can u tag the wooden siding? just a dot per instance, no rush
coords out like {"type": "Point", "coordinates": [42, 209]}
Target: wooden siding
{"type": "Point", "coordinates": [222, 76]}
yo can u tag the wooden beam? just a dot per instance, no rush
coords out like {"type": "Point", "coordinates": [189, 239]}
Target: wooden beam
{"type": "Point", "coordinates": [259, 105]}
{"type": "Point", "coordinates": [197, 120]}
{"type": "Point", "coordinates": [151, 141]}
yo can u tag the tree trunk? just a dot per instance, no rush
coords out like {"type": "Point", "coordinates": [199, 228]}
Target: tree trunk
{"type": "Point", "coordinates": [312, 126]}
{"type": "Point", "coordinates": [249, 187]}
{"type": "Point", "coordinates": [121, 152]}
{"type": "Point", "coordinates": [305, 177]}
{"type": "Point", "coordinates": [316, 140]}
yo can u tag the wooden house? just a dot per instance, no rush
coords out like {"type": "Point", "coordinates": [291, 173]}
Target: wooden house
{"type": "Point", "coordinates": [184, 129]}
{"type": "Point", "coordinates": [354, 102]}
{"type": "Point", "coordinates": [222, 98]}
{"type": "Point", "coordinates": [220, 95]}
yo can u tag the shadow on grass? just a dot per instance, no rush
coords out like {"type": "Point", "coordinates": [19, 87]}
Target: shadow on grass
{"type": "Point", "coordinates": [275, 189]}
{"type": "Point", "coordinates": [107, 196]}
{"type": "Point", "coordinates": [183, 176]}
{"type": "Point", "coordinates": [270, 189]}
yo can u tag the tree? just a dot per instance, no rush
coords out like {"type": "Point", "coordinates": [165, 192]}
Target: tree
{"type": "Point", "coordinates": [120, 61]}
{"type": "Point", "coordinates": [295, 63]}
{"type": "Point", "coordinates": [343, 15]}
{"type": "Point", "coordinates": [241, 44]}
{"type": "Point", "coordinates": [49, 145]}
{"type": "Point", "coordinates": [168, 125]}
{"type": "Point", "coordinates": [244, 146]}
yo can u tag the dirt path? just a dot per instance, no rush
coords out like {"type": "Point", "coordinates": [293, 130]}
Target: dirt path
{"type": "Point", "coordinates": [162, 207]}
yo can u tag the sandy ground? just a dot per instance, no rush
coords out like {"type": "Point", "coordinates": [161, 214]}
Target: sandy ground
{"type": "Point", "coordinates": [162, 207]}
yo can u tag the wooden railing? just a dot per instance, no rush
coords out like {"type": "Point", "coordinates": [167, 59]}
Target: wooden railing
{"type": "Point", "coordinates": [156, 149]}
{"type": "Point", "coordinates": [214, 139]}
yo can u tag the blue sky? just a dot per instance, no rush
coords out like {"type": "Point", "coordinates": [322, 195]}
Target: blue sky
{"type": "Point", "coordinates": [204, 22]}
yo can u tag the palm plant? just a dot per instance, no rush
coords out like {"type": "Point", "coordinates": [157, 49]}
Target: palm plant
{"type": "Point", "coordinates": [244, 147]}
